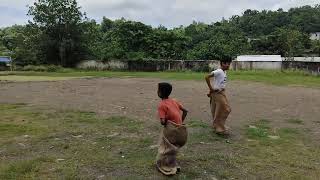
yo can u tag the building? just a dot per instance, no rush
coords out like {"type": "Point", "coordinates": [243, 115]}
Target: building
{"type": "Point", "coordinates": [315, 36]}
{"type": "Point", "coordinates": [5, 62]}
{"type": "Point", "coordinates": [250, 62]}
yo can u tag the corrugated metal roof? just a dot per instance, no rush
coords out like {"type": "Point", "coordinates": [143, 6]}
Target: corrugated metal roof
{"type": "Point", "coordinates": [259, 58]}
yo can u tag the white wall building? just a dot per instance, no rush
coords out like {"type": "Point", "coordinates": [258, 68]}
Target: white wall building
{"type": "Point", "coordinates": [315, 36]}
{"type": "Point", "coordinates": [258, 62]}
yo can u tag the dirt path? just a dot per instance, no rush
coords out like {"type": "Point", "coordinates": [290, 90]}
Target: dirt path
{"type": "Point", "coordinates": [137, 98]}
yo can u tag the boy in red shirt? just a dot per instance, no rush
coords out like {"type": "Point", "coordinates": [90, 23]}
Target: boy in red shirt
{"type": "Point", "coordinates": [174, 134]}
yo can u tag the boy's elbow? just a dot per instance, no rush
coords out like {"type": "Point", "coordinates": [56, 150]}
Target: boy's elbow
{"type": "Point", "coordinates": [207, 77]}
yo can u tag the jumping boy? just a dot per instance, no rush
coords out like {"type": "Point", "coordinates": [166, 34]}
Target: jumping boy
{"type": "Point", "coordinates": [219, 104]}
{"type": "Point", "coordinates": [174, 134]}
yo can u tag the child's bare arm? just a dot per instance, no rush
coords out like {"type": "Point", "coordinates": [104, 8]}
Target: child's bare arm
{"type": "Point", "coordinates": [163, 121]}
{"type": "Point", "coordinates": [184, 113]}
{"type": "Point", "coordinates": [207, 78]}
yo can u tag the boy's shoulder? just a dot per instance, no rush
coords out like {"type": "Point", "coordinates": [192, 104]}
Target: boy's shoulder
{"type": "Point", "coordinates": [174, 99]}
{"type": "Point", "coordinates": [217, 71]}
{"type": "Point", "coordinates": [177, 102]}
{"type": "Point", "coordinates": [163, 102]}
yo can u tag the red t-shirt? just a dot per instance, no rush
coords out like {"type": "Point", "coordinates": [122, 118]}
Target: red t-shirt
{"type": "Point", "coordinates": [170, 110]}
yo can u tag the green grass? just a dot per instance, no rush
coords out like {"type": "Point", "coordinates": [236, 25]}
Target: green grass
{"type": "Point", "coordinates": [278, 78]}
{"type": "Point", "coordinates": [259, 130]}
{"type": "Point", "coordinates": [270, 77]}
{"type": "Point", "coordinates": [33, 78]}
{"type": "Point", "coordinates": [290, 156]}
{"type": "Point", "coordinates": [40, 143]}
{"type": "Point", "coordinates": [295, 121]}
{"type": "Point", "coordinates": [89, 146]}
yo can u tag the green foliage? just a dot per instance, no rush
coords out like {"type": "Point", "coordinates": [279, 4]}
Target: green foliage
{"type": "Point", "coordinates": [225, 41]}
{"type": "Point", "coordinates": [316, 47]}
{"type": "Point", "coordinates": [167, 44]}
{"type": "Point", "coordinates": [17, 43]}
{"type": "Point", "coordinates": [42, 68]}
{"type": "Point", "coordinates": [60, 34]}
{"type": "Point", "coordinates": [260, 130]}
{"type": "Point", "coordinates": [254, 23]}
{"type": "Point", "coordinates": [295, 121]}
{"type": "Point", "coordinates": [61, 37]}
{"type": "Point", "coordinates": [279, 32]}
{"type": "Point", "coordinates": [283, 41]}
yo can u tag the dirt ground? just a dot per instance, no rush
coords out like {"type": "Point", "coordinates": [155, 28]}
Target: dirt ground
{"type": "Point", "coordinates": [137, 98]}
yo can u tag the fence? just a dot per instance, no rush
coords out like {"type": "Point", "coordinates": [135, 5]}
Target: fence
{"type": "Point", "coordinates": [305, 64]}
{"type": "Point", "coordinates": [151, 65]}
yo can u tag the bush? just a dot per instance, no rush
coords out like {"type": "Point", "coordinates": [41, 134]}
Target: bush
{"type": "Point", "coordinates": [34, 68]}
{"type": "Point", "coordinates": [53, 68]}
{"type": "Point", "coordinates": [42, 68]}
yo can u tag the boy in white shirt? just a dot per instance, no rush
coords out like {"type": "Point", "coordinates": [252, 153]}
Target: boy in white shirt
{"type": "Point", "coordinates": [219, 104]}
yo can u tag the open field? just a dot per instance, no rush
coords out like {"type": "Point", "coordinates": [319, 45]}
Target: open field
{"type": "Point", "coordinates": [295, 78]}
{"type": "Point", "coordinates": [106, 128]}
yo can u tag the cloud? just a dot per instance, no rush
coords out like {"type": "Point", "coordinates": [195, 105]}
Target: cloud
{"type": "Point", "coordinates": [13, 12]}
{"type": "Point", "coordinates": [170, 13]}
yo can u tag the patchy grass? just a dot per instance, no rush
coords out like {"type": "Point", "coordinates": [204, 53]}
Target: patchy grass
{"type": "Point", "coordinates": [295, 121]}
{"type": "Point", "coordinates": [296, 78]}
{"type": "Point", "coordinates": [33, 78]}
{"type": "Point", "coordinates": [48, 144]}
{"type": "Point", "coordinates": [259, 130]}
{"type": "Point", "coordinates": [25, 169]}
{"type": "Point", "coordinates": [71, 145]}
{"type": "Point", "coordinates": [289, 156]}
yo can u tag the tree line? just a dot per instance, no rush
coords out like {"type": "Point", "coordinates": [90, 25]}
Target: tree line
{"type": "Point", "coordinates": [61, 34]}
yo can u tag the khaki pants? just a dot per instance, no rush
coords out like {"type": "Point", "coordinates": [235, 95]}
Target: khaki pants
{"type": "Point", "coordinates": [220, 110]}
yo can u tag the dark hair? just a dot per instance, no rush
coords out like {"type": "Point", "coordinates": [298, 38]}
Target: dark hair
{"type": "Point", "coordinates": [226, 59]}
{"type": "Point", "coordinates": [164, 89]}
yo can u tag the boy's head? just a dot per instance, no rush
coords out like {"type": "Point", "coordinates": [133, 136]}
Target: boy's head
{"type": "Point", "coordinates": [164, 90]}
{"type": "Point", "coordinates": [225, 63]}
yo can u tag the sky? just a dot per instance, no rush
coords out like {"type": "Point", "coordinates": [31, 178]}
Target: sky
{"type": "Point", "coordinates": [170, 13]}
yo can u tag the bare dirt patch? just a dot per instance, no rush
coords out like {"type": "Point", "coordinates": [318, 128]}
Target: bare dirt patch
{"type": "Point", "coordinates": [137, 98]}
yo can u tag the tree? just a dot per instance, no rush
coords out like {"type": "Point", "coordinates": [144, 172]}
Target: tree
{"type": "Point", "coordinates": [316, 47]}
{"type": "Point", "coordinates": [224, 41]}
{"type": "Point", "coordinates": [16, 42]}
{"type": "Point", "coordinates": [106, 24]}
{"type": "Point", "coordinates": [61, 37]}
{"type": "Point", "coordinates": [167, 44]}
{"type": "Point", "coordinates": [125, 39]}
{"type": "Point", "coordinates": [283, 41]}
{"type": "Point", "coordinates": [61, 34]}
{"type": "Point", "coordinates": [197, 32]}
{"type": "Point", "coordinates": [92, 40]}
{"type": "Point", "coordinates": [306, 18]}
{"type": "Point", "coordinates": [289, 42]}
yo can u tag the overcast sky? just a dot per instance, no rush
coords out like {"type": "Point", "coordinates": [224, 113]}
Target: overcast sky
{"type": "Point", "coordinates": [170, 13]}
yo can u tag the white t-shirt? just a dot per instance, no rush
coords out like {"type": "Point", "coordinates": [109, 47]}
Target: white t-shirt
{"type": "Point", "coordinates": [220, 79]}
